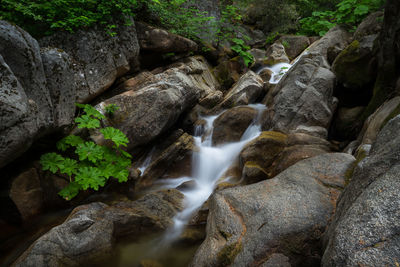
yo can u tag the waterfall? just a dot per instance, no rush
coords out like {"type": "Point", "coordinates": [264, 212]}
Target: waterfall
{"type": "Point", "coordinates": [209, 164]}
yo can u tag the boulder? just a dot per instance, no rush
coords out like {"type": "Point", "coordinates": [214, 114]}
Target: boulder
{"type": "Point", "coordinates": [98, 57]}
{"type": "Point", "coordinates": [87, 236]}
{"type": "Point", "coordinates": [160, 41]}
{"type": "Point", "coordinates": [258, 56]}
{"type": "Point", "coordinates": [336, 39]}
{"type": "Point", "coordinates": [150, 110]}
{"type": "Point", "coordinates": [294, 44]}
{"type": "Point", "coordinates": [303, 97]}
{"type": "Point", "coordinates": [177, 156]}
{"type": "Point", "coordinates": [355, 66]}
{"type": "Point", "coordinates": [372, 24]}
{"type": "Point", "coordinates": [27, 194]}
{"type": "Point", "coordinates": [377, 120]}
{"type": "Point", "coordinates": [230, 125]}
{"type": "Point", "coordinates": [228, 72]}
{"type": "Point", "coordinates": [60, 83]}
{"type": "Point", "coordinates": [365, 229]}
{"type": "Point", "coordinates": [276, 54]}
{"type": "Point", "coordinates": [22, 54]}
{"type": "Point", "coordinates": [249, 225]}
{"type": "Point", "coordinates": [18, 116]}
{"type": "Point", "coordinates": [245, 91]}
{"type": "Point", "coordinates": [273, 152]}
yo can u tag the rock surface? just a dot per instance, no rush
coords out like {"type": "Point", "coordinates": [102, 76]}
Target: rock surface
{"type": "Point", "coordinates": [276, 54]}
{"type": "Point", "coordinates": [230, 125]}
{"type": "Point", "coordinates": [294, 44]}
{"type": "Point", "coordinates": [98, 58]}
{"type": "Point", "coordinates": [365, 229]}
{"type": "Point", "coordinates": [245, 91]}
{"type": "Point", "coordinates": [88, 234]}
{"type": "Point", "coordinates": [161, 41]}
{"type": "Point", "coordinates": [154, 107]}
{"type": "Point", "coordinates": [285, 215]}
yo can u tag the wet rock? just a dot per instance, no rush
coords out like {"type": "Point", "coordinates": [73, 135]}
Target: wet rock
{"type": "Point", "coordinates": [175, 158]}
{"type": "Point", "coordinates": [60, 83]}
{"type": "Point", "coordinates": [148, 112]}
{"type": "Point", "coordinates": [88, 234]}
{"type": "Point", "coordinates": [285, 215]}
{"type": "Point", "coordinates": [263, 150]}
{"type": "Point", "coordinates": [370, 25]}
{"type": "Point", "coordinates": [27, 194]}
{"type": "Point", "coordinates": [365, 228]}
{"type": "Point", "coordinates": [161, 41]}
{"type": "Point", "coordinates": [266, 75]}
{"type": "Point", "coordinates": [246, 91]}
{"type": "Point", "coordinates": [355, 66]}
{"type": "Point", "coordinates": [276, 54]}
{"type": "Point", "coordinates": [98, 58]}
{"type": "Point", "coordinates": [230, 125]}
{"type": "Point", "coordinates": [276, 260]}
{"type": "Point", "coordinates": [258, 56]}
{"type": "Point", "coordinates": [294, 44]}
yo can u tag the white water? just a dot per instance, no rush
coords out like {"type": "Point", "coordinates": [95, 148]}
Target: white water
{"type": "Point", "coordinates": [146, 162]}
{"type": "Point", "coordinates": [209, 164]}
{"type": "Point", "coordinates": [278, 71]}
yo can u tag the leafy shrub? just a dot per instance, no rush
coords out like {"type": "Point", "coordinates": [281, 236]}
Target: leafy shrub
{"type": "Point", "coordinates": [87, 164]}
{"type": "Point", "coordinates": [241, 49]}
{"type": "Point", "coordinates": [349, 13]}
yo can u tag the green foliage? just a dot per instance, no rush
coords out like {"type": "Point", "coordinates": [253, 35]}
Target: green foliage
{"type": "Point", "coordinates": [348, 12]}
{"type": "Point", "coordinates": [91, 164]}
{"type": "Point", "coordinates": [110, 109]}
{"type": "Point", "coordinates": [241, 49]}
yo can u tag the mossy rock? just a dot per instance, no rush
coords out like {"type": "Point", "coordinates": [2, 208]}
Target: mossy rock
{"type": "Point", "coordinates": [355, 66]}
{"type": "Point", "coordinates": [228, 254]}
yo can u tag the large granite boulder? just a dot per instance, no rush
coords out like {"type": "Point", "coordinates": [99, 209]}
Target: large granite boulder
{"type": "Point", "coordinates": [294, 44]}
{"type": "Point", "coordinates": [304, 97]}
{"type": "Point", "coordinates": [249, 225]}
{"type": "Point", "coordinates": [148, 111]}
{"type": "Point", "coordinates": [366, 227]}
{"type": "Point", "coordinates": [245, 91]}
{"type": "Point", "coordinates": [160, 41]}
{"type": "Point", "coordinates": [230, 125]}
{"type": "Point", "coordinates": [355, 66]}
{"type": "Point", "coordinates": [18, 121]}
{"type": "Point", "coordinates": [98, 57]}
{"type": "Point", "coordinates": [87, 236]}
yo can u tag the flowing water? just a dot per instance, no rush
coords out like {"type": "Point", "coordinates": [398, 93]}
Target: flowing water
{"type": "Point", "coordinates": [210, 163]}
{"type": "Point", "coordinates": [278, 71]}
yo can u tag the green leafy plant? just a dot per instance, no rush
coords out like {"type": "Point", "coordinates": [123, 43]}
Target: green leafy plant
{"type": "Point", "coordinates": [110, 109]}
{"type": "Point", "coordinates": [348, 12]}
{"type": "Point", "coordinates": [89, 165]}
{"type": "Point", "coordinates": [241, 49]}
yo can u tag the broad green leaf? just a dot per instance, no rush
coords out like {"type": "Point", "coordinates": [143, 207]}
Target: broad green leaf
{"type": "Point", "coordinates": [361, 10]}
{"type": "Point", "coordinates": [51, 162]}
{"type": "Point", "coordinates": [69, 166]}
{"type": "Point", "coordinates": [70, 191]}
{"type": "Point", "coordinates": [115, 135]}
{"type": "Point", "coordinates": [90, 151]}
{"type": "Point", "coordinates": [70, 140]}
{"type": "Point", "coordinates": [85, 121]}
{"type": "Point", "coordinates": [90, 177]}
